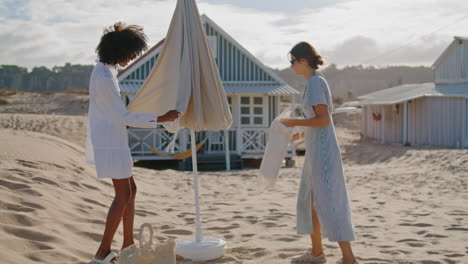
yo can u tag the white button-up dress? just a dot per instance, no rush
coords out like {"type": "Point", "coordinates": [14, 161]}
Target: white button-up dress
{"type": "Point", "coordinates": [107, 139]}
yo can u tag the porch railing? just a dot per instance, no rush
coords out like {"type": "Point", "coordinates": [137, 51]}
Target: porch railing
{"type": "Point", "coordinates": [247, 142]}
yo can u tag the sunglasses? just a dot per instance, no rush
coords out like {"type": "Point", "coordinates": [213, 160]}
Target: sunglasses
{"type": "Point", "coordinates": [293, 60]}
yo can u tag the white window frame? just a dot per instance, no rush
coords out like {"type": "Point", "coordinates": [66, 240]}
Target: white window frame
{"type": "Point", "coordinates": [251, 114]}
{"type": "Point", "coordinates": [213, 42]}
{"type": "Point", "coordinates": [230, 100]}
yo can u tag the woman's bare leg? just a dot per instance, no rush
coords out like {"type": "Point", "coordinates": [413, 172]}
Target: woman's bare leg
{"type": "Point", "coordinates": [316, 237]}
{"type": "Point", "coordinates": [129, 215]}
{"type": "Point", "coordinates": [348, 256]}
{"type": "Point", "coordinates": [116, 210]}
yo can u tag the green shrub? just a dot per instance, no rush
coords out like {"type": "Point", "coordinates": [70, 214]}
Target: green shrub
{"type": "Point", "coordinates": [7, 92]}
{"type": "Point", "coordinates": [3, 101]}
{"type": "Point", "coordinates": [77, 91]}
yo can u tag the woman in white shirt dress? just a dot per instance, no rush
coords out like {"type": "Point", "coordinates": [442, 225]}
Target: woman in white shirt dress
{"type": "Point", "coordinates": [107, 140]}
{"type": "Point", "coordinates": [323, 203]}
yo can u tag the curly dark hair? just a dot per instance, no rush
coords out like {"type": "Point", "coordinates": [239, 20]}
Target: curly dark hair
{"type": "Point", "coordinates": [304, 50]}
{"type": "Point", "coordinates": [120, 43]}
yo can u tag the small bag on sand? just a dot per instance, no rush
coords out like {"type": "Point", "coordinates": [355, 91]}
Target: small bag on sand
{"type": "Point", "coordinates": [148, 253]}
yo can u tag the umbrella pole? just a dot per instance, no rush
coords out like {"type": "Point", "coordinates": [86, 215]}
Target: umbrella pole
{"type": "Point", "coordinates": [198, 231]}
{"type": "Point", "coordinates": [199, 248]}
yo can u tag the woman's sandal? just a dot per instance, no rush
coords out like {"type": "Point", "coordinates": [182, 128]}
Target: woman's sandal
{"type": "Point", "coordinates": [109, 259]}
{"type": "Point", "coordinates": [341, 261]}
{"type": "Point", "coordinates": [308, 258]}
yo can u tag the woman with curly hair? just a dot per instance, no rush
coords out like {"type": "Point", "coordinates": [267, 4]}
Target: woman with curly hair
{"type": "Point", "coordinates": [107, 140]}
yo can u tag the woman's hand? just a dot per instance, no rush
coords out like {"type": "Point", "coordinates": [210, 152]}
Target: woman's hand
{"type": "Point", "coordinates": [322, 118]}
{"type": "Point", "coordinates": [295, 137]}
{"type": "Point", "coordinates": [169, 116]}
{"type": "Point", "coordinates": [288, 122]}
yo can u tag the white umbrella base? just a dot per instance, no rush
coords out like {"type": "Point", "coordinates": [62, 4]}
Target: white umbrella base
{"type": "Point", "coordinates": [207, 249]}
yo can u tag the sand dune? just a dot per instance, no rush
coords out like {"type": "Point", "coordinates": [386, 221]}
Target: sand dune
{"type": "Point", "coordinates": [54, 103]}
{"type": "Point", "coordinates": [409, 204]}
{"type": "Point", "coordinates": [71, 128]}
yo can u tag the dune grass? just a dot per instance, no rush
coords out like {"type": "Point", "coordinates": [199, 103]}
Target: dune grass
{"type": "Point", "coordinates": [6, 92]}
{"type": "Point", "coordinates": [77, 91]}
{"type": "Point", "coordinates": [3, 101]}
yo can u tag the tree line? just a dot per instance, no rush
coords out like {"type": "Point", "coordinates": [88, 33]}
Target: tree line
{"type": "Point", "coordinates": [352, 81]}
{"type": "Point", "coordinates": [347, 82]}
{"type": "Point", "coordinates": [43, 79]}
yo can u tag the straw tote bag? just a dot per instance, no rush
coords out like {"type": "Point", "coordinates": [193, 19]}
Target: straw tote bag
{"type": "Point", "coordinates": [149, 253]}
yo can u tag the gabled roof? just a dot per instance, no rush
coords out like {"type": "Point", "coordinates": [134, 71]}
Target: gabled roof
{"type": "Point", "coordinates": [131, 87]}
{"type": "Point", "coordinates": [272, 85]}
{"type": "Point", "coordinates": [223, 33]}
{"type": "Point", "coordinates": [448, 49]}
{"type": "Point", "coordinates": [408, 92]}
{"type": "Point", "coordinates": [142, 59]}
{"type": "Point", "coordinates": [268, 89]}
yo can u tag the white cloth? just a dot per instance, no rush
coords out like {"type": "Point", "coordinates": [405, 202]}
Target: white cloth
{"type": "Point", "coordinates": [107, 139]}
{"type": "Point", "coordinates": [275, 151]}
{"type": "Point", "coordinates": [185, 76]}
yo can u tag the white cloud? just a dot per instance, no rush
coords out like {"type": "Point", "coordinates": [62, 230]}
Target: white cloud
{"type": "Point", "coordinates": [346, 32]}
{"type": "Point", "coordinates": [352, 50]}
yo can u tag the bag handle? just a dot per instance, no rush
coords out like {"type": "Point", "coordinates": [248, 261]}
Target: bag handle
{"type": "Point", "coordinates": [140, 235]}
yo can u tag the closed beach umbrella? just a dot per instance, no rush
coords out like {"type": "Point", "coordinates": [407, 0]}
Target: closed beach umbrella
{"type": "Point", "coordinates": [185, 77]}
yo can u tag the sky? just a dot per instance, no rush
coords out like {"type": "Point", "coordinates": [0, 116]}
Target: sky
{"type": "Point", "coordinates": [345, 32]}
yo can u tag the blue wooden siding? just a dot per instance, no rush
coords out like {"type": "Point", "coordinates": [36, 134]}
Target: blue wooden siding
{"type": "Point", "coordinates": [233, 64]}
{"type": "Point", "coordinates": [143, 71]}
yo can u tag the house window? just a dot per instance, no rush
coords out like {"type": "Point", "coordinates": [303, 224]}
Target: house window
{"type": "Point", "coordinates": [252, 110]}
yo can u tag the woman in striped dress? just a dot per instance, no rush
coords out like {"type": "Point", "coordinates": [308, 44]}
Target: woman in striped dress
{"type": "Point", "coordinates": [323, 204]}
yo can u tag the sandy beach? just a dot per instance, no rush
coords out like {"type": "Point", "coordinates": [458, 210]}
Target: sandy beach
{"type": "Point", "coordinates": [408, 203]}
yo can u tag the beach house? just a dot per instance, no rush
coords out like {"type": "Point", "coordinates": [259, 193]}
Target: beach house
{"type": "Point", "coordinates": [423, 114]}
{"type": "Point", "coordinates": [254, 93]}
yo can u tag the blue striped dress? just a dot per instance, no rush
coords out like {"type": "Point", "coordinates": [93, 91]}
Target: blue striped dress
{"type": "Point", "coordinates": [322, 179]}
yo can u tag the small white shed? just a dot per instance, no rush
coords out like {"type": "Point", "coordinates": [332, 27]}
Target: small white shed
{"type": "Point", "coordinates": [253, 90]}
{"type": "Point", "coordinates": [423, 114]}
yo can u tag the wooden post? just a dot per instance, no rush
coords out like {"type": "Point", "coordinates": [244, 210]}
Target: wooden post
{"type": "Point", "coordinates": [382, 122]}
{"type": "Point", "coordinates": [405, 123]}
{"type": "Point", "coordinates": [466, 138]}
{"type": "Point", "coordinates": [226, 148]}
{"type": "Point", "coordinates": [239, 125]}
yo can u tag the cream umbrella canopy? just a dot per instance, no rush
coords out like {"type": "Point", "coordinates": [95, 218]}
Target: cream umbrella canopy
{"type": "Point", "coordinates": [186, 78]}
